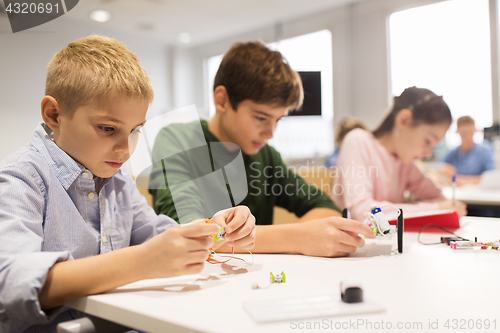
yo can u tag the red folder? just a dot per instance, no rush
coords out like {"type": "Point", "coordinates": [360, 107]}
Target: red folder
{"type": "Point", "coordinates": [447, 219]}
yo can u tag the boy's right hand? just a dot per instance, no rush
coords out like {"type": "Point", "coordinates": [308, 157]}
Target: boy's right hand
{"type": "Point", "coordinates": [178, 251]}
{"type": "Point", "coordinates": [332, 236]}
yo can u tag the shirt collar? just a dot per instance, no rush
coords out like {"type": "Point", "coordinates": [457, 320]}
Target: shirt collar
{"type": "Point", "coordinates": [65, 168]}
{"type": "Point", "coordinates": [210, 137]}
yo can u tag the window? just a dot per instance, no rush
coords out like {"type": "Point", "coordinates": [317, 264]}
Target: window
{"type": "Point", "coordinates": [445, 47]}
{"type": "Point", "coordinates": [301, 136]}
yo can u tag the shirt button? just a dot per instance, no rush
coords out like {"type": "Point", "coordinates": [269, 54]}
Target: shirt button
{"type": "Point", "coordinates": [91, 195]}
{"type": "Point", "coordinates": [85, 175]}
{"type": "Point", "coordinates": [104, 239]}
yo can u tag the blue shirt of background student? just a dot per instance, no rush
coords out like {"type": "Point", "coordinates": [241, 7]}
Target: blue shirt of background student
{"type": "Point", "coordinates": [331, 161]}
{"type": "Point", "coordinates": [473, 163]}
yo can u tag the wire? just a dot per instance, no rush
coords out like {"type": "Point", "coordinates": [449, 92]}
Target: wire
{"type": "Point", "coordinates": [220, 262]}
{"type": "Point", "coordinates": [233, 257]}
{"type": "Point", "coordinates": [438, 227]}
{"type": "Point", "coordinates": [213, 261]}
{"type": "Point", "coordinates": [391, 206]}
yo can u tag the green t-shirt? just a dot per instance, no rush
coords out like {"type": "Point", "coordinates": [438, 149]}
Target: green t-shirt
{"type": "Point", "coordinates": [191, 179]}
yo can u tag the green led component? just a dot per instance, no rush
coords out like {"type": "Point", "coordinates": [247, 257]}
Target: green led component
{"type": "Point", "coordinates": [279, 278]}
{"type": "Point", "coordinates": [375, 230]}
{"type": "Point", "coordinates": [218, 237]}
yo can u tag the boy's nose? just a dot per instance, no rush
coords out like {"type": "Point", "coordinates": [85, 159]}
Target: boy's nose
{"type": "Point", "coordinates": [268, 135]}
{"type": "Point", "coordinates": [122, 145]}
{"type": "Point", "coordinates": [269, 132]}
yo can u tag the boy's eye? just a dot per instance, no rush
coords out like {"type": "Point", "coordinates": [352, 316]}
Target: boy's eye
{"type": "Point", "coordinates": [260, 118]}
{"type": "Point", "coordinates": [136, 130]}
{"type": "Point", "coordinates": [107, 129]}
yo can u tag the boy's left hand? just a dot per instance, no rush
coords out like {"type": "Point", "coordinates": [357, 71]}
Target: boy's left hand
{"type": "Point", "coordinates": [240, 226]}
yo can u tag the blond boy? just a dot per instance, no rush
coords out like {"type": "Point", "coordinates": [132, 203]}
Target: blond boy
{"type": "Point", "coordinates": [71, 224]}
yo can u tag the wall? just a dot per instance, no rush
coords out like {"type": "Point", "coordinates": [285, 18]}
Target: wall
{"type": "Point", "coordinates": [360, 64]}
{"type": "Point", "coordinates": [24, 57]}
{"type": "Point", "coordinates": [360, 56]}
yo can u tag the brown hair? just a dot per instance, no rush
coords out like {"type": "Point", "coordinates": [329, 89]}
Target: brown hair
{"type": "Point", "coordinates": [252, 71]}
{"type": "Point", "coordinates": [94, 69]}
{"type": "Point", "coordinates": [346, 126]}
{"type": "Point", "coordinates": [465, 120]}
{"type": "Point", "coordinates": [426, 108]}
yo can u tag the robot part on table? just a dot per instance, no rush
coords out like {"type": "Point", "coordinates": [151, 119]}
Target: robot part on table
{"type": "Point", "coordinates": [279, 278]}
{"type": "Point", "coordinates": [220, 235]}
{"type": "Point", "coordinates": [379, 223]}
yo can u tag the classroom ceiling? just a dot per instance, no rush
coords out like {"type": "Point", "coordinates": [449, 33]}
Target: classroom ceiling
{"type": "Point", "coordinates": [205, 20]}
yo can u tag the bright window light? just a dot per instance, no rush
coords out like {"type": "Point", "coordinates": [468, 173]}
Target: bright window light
{"type": "Point", "coordinates": [445, 47]}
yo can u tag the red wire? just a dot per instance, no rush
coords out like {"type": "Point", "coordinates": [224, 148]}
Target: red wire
{"type": "Point", "coordinates": [230, 257]}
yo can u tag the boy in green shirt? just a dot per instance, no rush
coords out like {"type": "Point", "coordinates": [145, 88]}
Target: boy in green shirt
{"type": "Point", "coordinates": [254, 88]}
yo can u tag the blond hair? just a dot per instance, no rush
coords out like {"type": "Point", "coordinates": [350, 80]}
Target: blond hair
{"type": "Point", "coordinates": [95, 69]}
{"type": "Point", "coordinates": [347, 125]}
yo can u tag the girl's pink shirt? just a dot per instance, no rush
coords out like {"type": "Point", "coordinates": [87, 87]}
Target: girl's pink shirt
{"type": "Point", "coordinates": [367, 174]}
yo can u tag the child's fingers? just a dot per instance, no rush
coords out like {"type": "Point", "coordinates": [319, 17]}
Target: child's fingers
{"type": "Point", "coordinates": [199, 230]}
{"type": "Point", "coordinates": [194, 268]}
{"type": "Point", "coordinates": [355, 227]}
{"type": "Point", "coordinates": [243, 241]}
{"type": "Point", "coordinates": [240, 216]}
{"type": "Point", "coordinates": [199, 244]}
{"type": "Point", "coordinates": [244, 231]}
{"type": "Point", "coordinates": [348, 239]}
{"type": "Point", "coordinates": [196, 257]}
{"type": "Point", "coordinates": [345, 248]}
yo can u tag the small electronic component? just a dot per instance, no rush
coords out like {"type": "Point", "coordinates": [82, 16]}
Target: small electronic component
{"type": "Point", "coordinates": [217, 237]}
{"type": "Point", "coordinates": [465, 245]}
{"type": "Point", "coordinates": [448, 240]}
{"type": "Point", "coordinates": [220, 235]}
{"type": "Point", "coordinates": [380, 221]}
{"type": "Point", "coordinates": [279, 278]}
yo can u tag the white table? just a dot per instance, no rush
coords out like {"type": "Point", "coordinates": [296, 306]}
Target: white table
{"type": "Point", "coordinates": [474, 195]}
{"type": "Point", "coordinates": [423, 285]}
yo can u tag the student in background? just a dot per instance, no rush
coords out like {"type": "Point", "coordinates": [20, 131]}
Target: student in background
{"type": "Point", "coordinates": [469, 160]}
{"type": "Point", "coordinates": [68, 216]}
{"type": "Point", "coordinates": [377, 168]}
{"type": "Point", "coordinates": [254, 88]}
{"type": "Point", "coordinates": [345, 127]}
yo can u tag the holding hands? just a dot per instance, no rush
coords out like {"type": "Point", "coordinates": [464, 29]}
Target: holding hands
{"type": "Point", "coordinates": [183, 249]}
{"type": "Point", "coordinates": [240, 227]}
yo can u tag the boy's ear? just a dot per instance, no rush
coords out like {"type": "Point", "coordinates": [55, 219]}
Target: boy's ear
{"type": "Point", "coordinates": [221, 99]}
{"type": "Point", "coordinates": [51, 112]}
{"type": "Point", "coordinates": [404, 118]}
